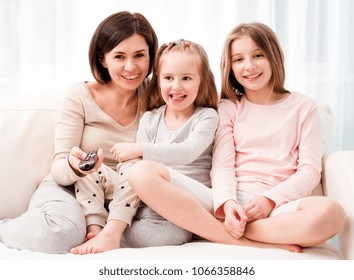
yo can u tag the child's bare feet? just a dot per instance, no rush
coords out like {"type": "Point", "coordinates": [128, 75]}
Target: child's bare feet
{"type": "Point", "coordinates": [97, 244]}
{"type": "Point", "coordinates": [292, 248]}
{"type": "Point", "coordinates": [247, 242]}
{"type": "Point", "coordinates": [99, 240]}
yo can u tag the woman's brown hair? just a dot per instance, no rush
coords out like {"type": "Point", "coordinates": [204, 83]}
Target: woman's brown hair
{"type": "Point", "coordinates": [113, 30]}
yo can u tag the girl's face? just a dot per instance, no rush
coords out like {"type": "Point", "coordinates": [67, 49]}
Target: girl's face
{"type": "Point", "coordinates": [250, 66]}
{"type": "Point", "coordinates": [128, 62]}
{"type": "Point", "coordinates": [179, 80]}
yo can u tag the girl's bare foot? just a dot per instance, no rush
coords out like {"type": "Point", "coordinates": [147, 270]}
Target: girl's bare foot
{"type": "Point", "coordinates": [97, 244]}
{"type": "Point", "coordinates": [247, 242]}
{"type": "Point", "coordinates": [292, 248]}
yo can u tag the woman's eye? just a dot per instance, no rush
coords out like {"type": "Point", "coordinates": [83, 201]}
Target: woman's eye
{"type": "Point", "coordinates": [140, 55]}
{"type": "Point", "coordinates": [119, 57]}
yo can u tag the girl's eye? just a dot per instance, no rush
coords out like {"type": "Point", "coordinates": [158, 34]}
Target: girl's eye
{"type": "Point", "coordinates": [168, 78]}
{"type": "Point", "coordinates": [119, 56]}
{"type": "Point", "coordinates": [259, 55]}
{"type": "Point", "coordinates": [187, 78]}
{"type": "Point", "coordinates": [237, 59]}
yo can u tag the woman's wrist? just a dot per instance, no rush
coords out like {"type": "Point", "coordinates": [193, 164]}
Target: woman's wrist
{"type": "Point", "coordinates": [76, 170]}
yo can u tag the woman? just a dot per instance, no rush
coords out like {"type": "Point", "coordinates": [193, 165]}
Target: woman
{"type": "Point", "coordinates": [94, 115]}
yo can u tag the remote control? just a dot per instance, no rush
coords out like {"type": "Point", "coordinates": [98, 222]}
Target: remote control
{"type": "Point", "coordinates": [89, 161]}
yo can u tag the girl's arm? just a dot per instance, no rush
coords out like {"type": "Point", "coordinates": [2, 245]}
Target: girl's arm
{"type": "Point", "coordinates": [308, 172]}
{"type": "Point", "coordinates": [198, 138]}
{"type": "Point", "coordinates": [223, 177]}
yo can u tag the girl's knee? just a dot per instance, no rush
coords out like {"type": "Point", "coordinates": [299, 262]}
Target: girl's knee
{"type": "Point", "coordinates": [327, 214]}
{"type": "Point", "coordinates": [336, 213]}
{"type": "Point", "coordinates": [145, 172]}
{"type": "Point", "coordinates": [331, 209]}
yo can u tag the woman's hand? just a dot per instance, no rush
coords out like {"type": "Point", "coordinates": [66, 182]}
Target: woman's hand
{"type": "Point", "coordinates": [75, 157]}
{"type": "Point", "coordinates": [235, 218]}
{"type": "Point", "coordinates": [259, 208]}
{"type": "Point", "coordinates": [126, 151]}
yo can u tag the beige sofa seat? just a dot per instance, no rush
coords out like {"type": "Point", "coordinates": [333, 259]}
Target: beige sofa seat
{"type": "Point", "coordinates": [27, 142]}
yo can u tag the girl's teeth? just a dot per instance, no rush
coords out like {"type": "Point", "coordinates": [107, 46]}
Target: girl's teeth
{"type": "Point", "coordinates": [177, 95]}
{"type": "Point", "coordinates": [254, 76]}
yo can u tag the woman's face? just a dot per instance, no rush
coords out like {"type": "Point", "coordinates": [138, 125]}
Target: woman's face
{"type": "Point", "coordinates": [128, 62]}
{"type": "Point", "coordinates": [250, 66]}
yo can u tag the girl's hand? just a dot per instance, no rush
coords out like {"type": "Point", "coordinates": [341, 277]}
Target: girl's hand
{"type": "Point", "coordinates": [126, 151]}
{"type": "Point", "coordinates": [235, 218]}
{"type": "Point", "coordinates": [75, 157]}
{"type": "Point", "coordinates": [259, 208]}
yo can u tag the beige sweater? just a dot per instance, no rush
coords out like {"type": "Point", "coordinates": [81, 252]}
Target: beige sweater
{"type": "Point", "coordinates": [82, 123]}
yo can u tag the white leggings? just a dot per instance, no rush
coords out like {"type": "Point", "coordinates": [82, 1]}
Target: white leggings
{"type": "Point", "coordinates": [204, 194]}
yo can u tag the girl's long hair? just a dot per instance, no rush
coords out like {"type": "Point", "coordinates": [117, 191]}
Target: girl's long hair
{"type": "Point", "coordinates": [267, 41]}
{"type": "Point", "coordinates": [207, 96]}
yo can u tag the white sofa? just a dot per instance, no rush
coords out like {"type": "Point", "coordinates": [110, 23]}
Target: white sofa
{"type": "Point", "coordinates": [27, 131]}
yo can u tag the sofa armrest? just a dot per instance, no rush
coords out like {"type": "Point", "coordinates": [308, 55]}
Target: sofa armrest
{"type": "Point", "coordinates": [338, 184]}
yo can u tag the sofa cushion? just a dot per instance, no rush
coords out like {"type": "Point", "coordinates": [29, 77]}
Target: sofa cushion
{"type": "Point", "coordinates": [198, 250]}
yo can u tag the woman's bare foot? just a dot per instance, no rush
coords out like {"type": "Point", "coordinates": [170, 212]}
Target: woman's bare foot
{"type": "Point", "coordinates": [90, 235]}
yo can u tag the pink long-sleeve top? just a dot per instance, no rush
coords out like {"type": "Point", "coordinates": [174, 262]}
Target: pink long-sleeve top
{"type": "Point", "coordinates": [271, 150]}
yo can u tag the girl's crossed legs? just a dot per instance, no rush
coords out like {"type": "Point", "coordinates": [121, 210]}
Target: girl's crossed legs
{"type": "Point", "coordinates": [306, 222]}
{"type": "Point", "coordinates": [184, 202]}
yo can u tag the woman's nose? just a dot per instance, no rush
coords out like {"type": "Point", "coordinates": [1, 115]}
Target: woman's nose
{"type": "Point", "coordinates": [130, 65]}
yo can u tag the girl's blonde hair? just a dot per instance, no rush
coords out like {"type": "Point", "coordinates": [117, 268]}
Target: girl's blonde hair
{"type": "Point", "coordinates": [267, 41]}
{"type": "Point", "coordinates": [207, 95]}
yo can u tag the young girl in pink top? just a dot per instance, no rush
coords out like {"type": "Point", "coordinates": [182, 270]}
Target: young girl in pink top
{"type": "Point", "coordinates": [267, 153]}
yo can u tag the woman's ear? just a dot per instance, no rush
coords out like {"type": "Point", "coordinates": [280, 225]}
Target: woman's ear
{"type": "Point", "coordinates": [102, 60]}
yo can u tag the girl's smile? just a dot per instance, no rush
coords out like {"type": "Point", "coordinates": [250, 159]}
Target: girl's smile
{"type": "Point", "coordinates": [177, 97]}
{"type": "Point", "coordinates": [250, 66]}
{"type": "Point", "coordinates": [252, 77]}
{"type": "Point", "coordinates": [179, 80]}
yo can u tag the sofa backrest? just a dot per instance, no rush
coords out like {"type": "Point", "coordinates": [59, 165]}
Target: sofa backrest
{"type": "Point", "coordinates": [327, 128]}
{"type": "Point", "coordinates": [26, 147]}
{"type": "Point", "coordinates": [27, 125]}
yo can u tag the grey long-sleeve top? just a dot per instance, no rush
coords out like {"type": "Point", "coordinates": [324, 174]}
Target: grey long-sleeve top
{"type": "Point", "coordinates": [187, 150]}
